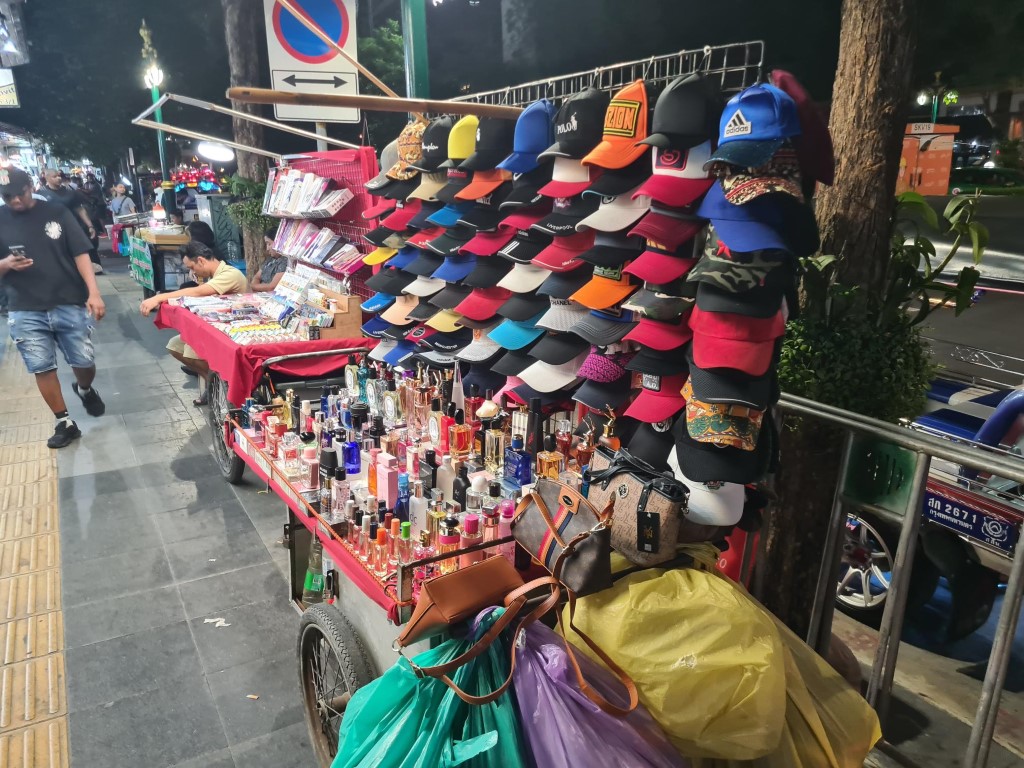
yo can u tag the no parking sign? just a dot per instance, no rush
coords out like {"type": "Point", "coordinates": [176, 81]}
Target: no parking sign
{"type": "Point", "coordinates": [300, 62]}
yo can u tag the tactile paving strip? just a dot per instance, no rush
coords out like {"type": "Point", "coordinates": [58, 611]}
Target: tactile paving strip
{"type": "Point", "coordinates": [35, 553]}
{"type": "Point", "coordinates": [44, 745]}
{"type": "Point", "coordinates": [31, 638]}
{"type": "Point", "coordinates": [32, 691]}
{"type": "Point", "coordinates": [29, 595]}
{"type": "Point", "coordinates": [28, 521]}
{"type": "Point", "coordinates": [29, 495]}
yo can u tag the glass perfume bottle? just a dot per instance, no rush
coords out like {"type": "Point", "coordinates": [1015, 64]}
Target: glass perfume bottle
{"type": "Point", "coordinates": [506, 514]}
{"type": "Point", "coordinates": [473, 403]}
{"type": "Point", "coordinates": [448, 541]}
{"type": "Point", "coordinates": [422, 550]}
{"type": "Point", "coordinates": [394, 536]}
{"type": "Point", "coordinates": [436, 515]}
{"type": "Point", "coordinates": [362, 376]}
{"type": "Point", "coordinates": [310, 468]}
{"type": "Point", "coordinates": [422, 409]}
{"type": "Point", "coordinates": [371, 471]}
{"type": "Point", "coordinates": [494, 447]}
{"type": "Point", "coordinates": [380, 554]}
{"type": "Point", "coordinates": [428, 471]}
{"type": "Point", "coordinates": [404, 546]}
{"type": "Point", "coordinates": [447, 422]}
{"type": "Point", "coordinates": [460, 435]}
{"type": "Point", "coordinates": [461, 485]}
{"type": "Point", "coordinates": [517, 467]}
{"type": "Point", "coordinates": [550, 462]}
{"type": "Point", "coordinates": [353, 462]}
{"type": "Point", "coordinates": [471, 535]}
{"type": "Point", "coordinates": [391, 406]}
{"type": "Point", "coordinates": [434, 424]}
{"type": "Point", "coordinates": [610, 438]}
{"type": "Point", "coordinates": [446, 477]}
{"type": "Point", "coordinates": [563, 436]}
{"type": "Point", "coordinates": [585, 450]}
{"type": "Point", "coordinates": [418, 509]}
{"type": "Point", "coordinates": [340, 493]}
{"type": "Point", "coordinates": [355, 529]}
{"type": "Point", "coordinates": [290, 451]}
{"type": "Point", "coordinates": [402, 504]}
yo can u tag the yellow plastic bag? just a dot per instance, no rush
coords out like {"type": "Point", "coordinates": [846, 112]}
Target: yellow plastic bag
{"type": "Point", "coordinates": [707, 661]}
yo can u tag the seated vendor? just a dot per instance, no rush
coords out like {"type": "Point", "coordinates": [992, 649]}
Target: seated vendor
{"type": "Point", "coordinates": [273, 268]}
{"type": "Point", "coordinates": [220, 278]}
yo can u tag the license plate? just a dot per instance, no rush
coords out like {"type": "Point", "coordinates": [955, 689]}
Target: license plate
{"type": "Point", "coordinates": [973, 523]}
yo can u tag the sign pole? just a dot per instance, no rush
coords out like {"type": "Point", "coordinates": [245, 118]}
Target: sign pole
{"type": "Point", "coordinates": [414, 34]}
{"type": "Point", "coordinates": [321, 129]}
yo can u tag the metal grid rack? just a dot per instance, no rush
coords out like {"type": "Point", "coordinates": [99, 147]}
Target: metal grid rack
{"type": "Point", "coordinates": [737, 66]}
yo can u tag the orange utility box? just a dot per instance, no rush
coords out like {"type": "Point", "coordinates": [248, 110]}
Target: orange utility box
{"type": "Point", "coordinates": [927, 158]}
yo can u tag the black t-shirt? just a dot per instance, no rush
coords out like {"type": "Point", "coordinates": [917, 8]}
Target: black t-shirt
{"type": "Point", "coordinates": [70, 198]}
{"type": "Point", "coordinates": [52, 238]}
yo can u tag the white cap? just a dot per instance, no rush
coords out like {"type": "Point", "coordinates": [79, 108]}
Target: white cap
{"type": "Point", "coordinates": [424, 286]}
{"type": "Point", "coordinates": [616, 213]}
{"type": "Point", "coordinates": [545, 377]}
{"type": "Point", "coordinates": [524, 278]}
{"type": "Point", "coordinates": [715, 503]}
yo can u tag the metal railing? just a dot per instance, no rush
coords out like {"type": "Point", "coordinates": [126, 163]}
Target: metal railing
{"type": "Point", "coordinates": [925, 447]}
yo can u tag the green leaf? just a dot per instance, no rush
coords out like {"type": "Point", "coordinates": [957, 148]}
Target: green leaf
{"type": "Point", "coordinates": [969, 277]}
{"type": "Point", "coordinates": [979, 239]}
{"type": "Point", "coordinates": [955, 207]}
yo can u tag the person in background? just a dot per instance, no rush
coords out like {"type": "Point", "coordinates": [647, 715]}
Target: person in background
{"type": "Point", "coordinates": [220, 278]}
{"type": "Point", "coordinates": [202, 232]}
{"type": "Point", "coordinates": [120, 203]}
{"type": "Point", "coordinates": [54, 299]}
{"type": "Point", "coordinates": [97, 205]}
{"type": "Point", "coordinates": [272, 269]}
{"type": "Point", "coordinates": [55, 191]}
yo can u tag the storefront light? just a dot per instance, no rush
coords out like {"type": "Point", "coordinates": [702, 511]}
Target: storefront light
{"type": "Point", "coordinates": [216, 152]}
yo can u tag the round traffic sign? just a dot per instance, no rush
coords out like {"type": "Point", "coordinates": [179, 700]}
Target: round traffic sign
{"type": "Point", "coordinates": [299, 42]}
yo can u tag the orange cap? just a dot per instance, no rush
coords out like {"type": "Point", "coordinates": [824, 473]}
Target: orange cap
{"type": "Point", "coordinates": [382, 536]}
{"type": "Point", "coordinates": [483, 183]}
{"type": "Point", "coordinates": [625, 123]}
{"type": "Point", "coordinates": [608, 286]}
{"type": "Point", "coordinates": [396, 527]}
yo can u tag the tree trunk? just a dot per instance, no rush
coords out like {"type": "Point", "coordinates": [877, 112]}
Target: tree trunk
{"type": "Point", "coordinates": [870, 101]}
{"type": "Point", "coordinates": [243, 33]}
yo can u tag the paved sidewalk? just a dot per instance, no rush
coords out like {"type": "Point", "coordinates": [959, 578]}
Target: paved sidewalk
{"type": "Point", "coordinates": [153, 545]}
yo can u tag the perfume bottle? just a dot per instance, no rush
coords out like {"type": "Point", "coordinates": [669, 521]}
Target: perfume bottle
{"type": "Point", "coordinates": [391, 405]}
{"type": "Point", "coordinates": [460, 485]}
{"type": "Point", "coordinates": [387, 479]}
{"type": "Point", "coordinates": [491, 519]}
{"type": "Point", "coordinates": [418, 509]}
{"type": "Point", "coordinates": [434, 424]}
{"type": "Point", "coordinates": [359, 413]}
{"type": "Point", "coordinates": [325, 394]}
{"type": "Point", "coordinates": [488, 409]}
{"type": "Point", "coordinates": [471, 535]}
{"type": "Point", "coordinates": [435, 516]}
{"type": "Point", "coordinates": [428, 471]}
{"type": "Point", "coordinates": [353, 463]}
{"type": "Point", "coordinates": [422, 409]}
{"type": "Point", "coordinates": [534, 441]}
{"type": "Point", "coordinates": [475, 501]}
{"type": "Point", "coordinates": [473, 403]}
{"type": "Point", "coordinates": [371, 471]}
{"type": "Point", "coordinates": [394, 535]}
{"type": "Point", "coordinates": [389, 442]}
{"type": "Point", "coordinates": [339, 493]}
{"type": "Point", "coordinates": [447, 422]}
{"type": "Point", "coordinates": [328, 463]}
{"type": "Point", "coordinates": [367, 538]}
{"type": "Point", "coordinates": [585, 450]}
{"type": "Point", "coordinates": [563, 436]}
{"type": "Point", "coordinates": [517, 463]}
{"type": "Point", "coordinates": [412, 460]}
{"type": "Point", "coordinates": [448, 541]}
{"type": "Point", "coordinates": [290, 450]}
{"type": "Point", "coordinates": [506, 514]}
{"type": "Point", "coordinates": [355, 529]}
{"type": "Point", "coordinates": [494, 447]}
{"type": "Point", "coordinates": [420, 551]}
{"type": "Point", "coordinates": [407, 396]}
{"type": "Point", "coordinates": [550, 462]}
{"type": "Point", "coordinates": [402, 504]}
{"type": "Point", "coordinates": [610, 439]}
{"type": "Point", "coordinates": [362, 376]}
{"type": "Point", "coordinates": [310, 468]}
{"type": "Point", "coordinates": [379, 556]}
{"type": "Point", "coordinates": [344, 415]}
{"type": "Point", "coordinates": [446, 477]}
{"type": "Point", "coordinates": [460, 435]}
{"type": "Point", "coordinates": [403, 547]}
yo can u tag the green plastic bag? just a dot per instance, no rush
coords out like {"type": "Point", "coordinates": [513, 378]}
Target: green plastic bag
{"type": "Point", "coordinates": [401, 721]}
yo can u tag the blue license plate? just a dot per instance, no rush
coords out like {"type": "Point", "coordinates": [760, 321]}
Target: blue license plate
{"type": "Point", "coordinates": [973, 523]}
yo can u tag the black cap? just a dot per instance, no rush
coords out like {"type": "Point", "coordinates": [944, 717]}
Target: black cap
{"type": "Point", "coordinates": [579, 124]}
{"type": "Point", "coordinates": [760, 301]}
{"type": "Point", "coordinates": [14, 181]}
{"type": "Point", "coordinates": [671, 363]}
{"type": "Point", "coordinates": [623, 180]}
{"type": "Point", "coordinates": [613, 250]}
{"type": "Point", "coordinates": [523, 306]}
{"type": "Point", "coordinates": [707, 463]}
{"type": "Point", "coordinates": [458, 180]}
{"type": "Point", "coordinates": [487, 272]}
{"type": "Point", "coordinates": [526, 188]}
{"type": "Point", "coordinates": [448, 343]}
{"type": "Point", "coordinates": [725, 385]}
{"type": "Point", "coordinates": [566, 213]}
{"type": "Point", "coordinates": [513, 363]}
{"type": "Point", "coordinates": [653, 443]}
{"type": "Point", "coordinates": [398, 190]}
{"type": "Point", "coordinates": [451, 296]}
{"type": "Point", "coordinates": [525, 246]}
{"type": "Point", "coordinates": [378, 236]}
{"type": "Point", "coordinates": [435, 144]}
{"type": "Point", "coordinates": [600, 396]}
{"type": "Point", "coordinates": [426, 264]}
{"type": "Point", "coordinates": [389, 281]}
{"type": "Point", "coordinates": [451, 241]}
{"type": "Point", "coordinates": [559, 348]}
{"type": "Point", "coordinates": [419, 221]}
{"type": "Point", "coordinates": [558, 397]}
{"type": "Point", "coordinates": [562, 285]}
{"type": "Point", "coordinates": [601, 329]}
{"type": "Point", "coordinates": [686, 113]}
{"type": "Point", "coordinates": [422, 311]}
{"type": "Point", "coordinates": [494, 140]}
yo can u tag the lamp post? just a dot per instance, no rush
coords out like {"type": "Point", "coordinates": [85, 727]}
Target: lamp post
{"type": "Point", "coordinates": [937, 90]}
{"type": "Point", "coordinates": [154, 78]}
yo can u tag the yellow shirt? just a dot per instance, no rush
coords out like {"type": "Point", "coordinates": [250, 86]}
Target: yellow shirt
{"type": "Point", "coordinates": [227, 279]}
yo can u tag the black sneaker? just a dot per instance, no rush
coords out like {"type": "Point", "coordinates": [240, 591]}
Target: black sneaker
{"type": "Point", "coordinates": [65, 432]}
{"type": "Point", "coordinates": [91, 400]}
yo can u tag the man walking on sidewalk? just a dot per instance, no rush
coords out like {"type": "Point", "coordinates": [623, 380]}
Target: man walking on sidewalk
{"type": "Point", "coordinates": [56, 191]}
{"type": "Point", "coordinates": [54, 300]}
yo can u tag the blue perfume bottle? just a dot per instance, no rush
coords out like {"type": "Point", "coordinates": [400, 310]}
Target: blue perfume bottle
{"type": "Point", "coordinates": [518, 465]}
{"type": "Point", "coordinates": [362, 375]}
{"type": "Point", "coordinates": [351, 455]}
{"type": "Point", "coordinates": [402, 505]}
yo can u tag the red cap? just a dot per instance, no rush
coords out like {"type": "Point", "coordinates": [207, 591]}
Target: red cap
{"type": "Point", "coordinates": [660, 399]}
{"type": "Point", "coordinates": [658, 267]}
{"type": "Point", "coordinates": [658, 335]}
{"type": "Point", "coordinates": [401, 217]}
{"type": "Point", "coordinates": [483, 303]}
{"type": "Point", "coordinates": [569, 178]}
{"type": "Point", "coordinates": [668, 232]}
{"type": "Point", "coordinates": [814, 144]}
{"type": "Point", "coordinates": [679, 177]}
{"type": "Point", "coordinates": [523, 219]}
{"type": "Point", "coordinates": [563, 253]}
{"type": "Point", "coordinates": [488, 243]}
{"type": "Point", "coordinates": [727, 340]}
{"type": "Point", "coordinates": [380, 208]}
{"type": "Point", "coordinates": [421, 238]}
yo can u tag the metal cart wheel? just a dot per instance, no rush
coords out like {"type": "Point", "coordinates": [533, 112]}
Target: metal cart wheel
{"type": "Point", "coordinates": [230, 463]}
{"type": "Point", "coordinates": [333, 665]}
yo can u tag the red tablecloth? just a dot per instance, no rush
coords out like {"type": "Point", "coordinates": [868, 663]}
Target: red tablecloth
{"type": "Point", "coordinates": [240, 366]}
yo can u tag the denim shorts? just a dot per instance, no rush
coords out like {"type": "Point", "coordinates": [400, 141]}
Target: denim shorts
{"type": "Point", "coordinates": [38, 334]}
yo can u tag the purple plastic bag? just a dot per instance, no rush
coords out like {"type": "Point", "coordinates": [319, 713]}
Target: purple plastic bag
{"type": "Point", "coordinates": [562, 725]}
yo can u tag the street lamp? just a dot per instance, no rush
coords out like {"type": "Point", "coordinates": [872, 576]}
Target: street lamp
{"type": "Point", "coordinates": [154, 78]}
{"type": "Point", "coordinates": [937, 90]}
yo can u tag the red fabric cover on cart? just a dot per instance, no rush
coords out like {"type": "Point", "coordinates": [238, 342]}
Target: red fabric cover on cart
{"type": "Point", "coordinates": [240, 366]}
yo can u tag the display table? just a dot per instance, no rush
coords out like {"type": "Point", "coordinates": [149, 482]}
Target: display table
{"type": "Point", "coordinates": [241, 366]}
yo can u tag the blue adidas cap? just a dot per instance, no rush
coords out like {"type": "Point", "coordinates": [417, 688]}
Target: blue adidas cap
{"type": "Point", "coordinates": [535, 132]}
{"type": "Point", "coordinates": [516, 335]}
{"type": "Point", "coordinates": [377, 303]}
{"type": "Point", "coordinates": [755, 123]}
{"type": "Point", "coordinates": [449, 215]}
{"type": "Point", "coordinates": [753, 226]}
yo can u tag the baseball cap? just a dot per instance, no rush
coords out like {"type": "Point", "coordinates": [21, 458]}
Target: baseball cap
{"type": "Point", "coordinates": [481, 347]}
{"type": "Point", "coordinates": [375, 326]}
{"type": "Point", "coordinates": [523, 278]}
{"type": "Point", "coordinates": [385, 237]}
{"type": "Point", "coordinates": [725, 340]}
{"type": "Point", "coordinates": [410, 151]}
{"type": "Point", "coordinates": [487, 272]}
{"type": "Point", "coordinates": [404, 213]}
{"type": "Point", "coordinates": [526, 188]}
{"type": "Point", "coordinates": [612, 249]}
{"type": "Point", "coordinates": [712, 503]}
{"type": "Point", "coordinates": [760, 301]}
{"type": "Point", "coordinates": [485, 217]}
{"type": "Point", "coordinates": [609, 285]}
{"type": "Point", "coordinates": [725, 385]}
{"type": "Point", "coordinates": [385, 347]}
{"type": "Point", "coordinates": [566, 213]}
{"type": "Point", "coordinates": [605, 327]}
{"type": "Point", "coordinates": [678, 177]}
{"type": "Point", "coordinates": [534, 132]}
{"type": "Point", "coordinates": [455, 268]}
{"type": "Point", "coordinates": [757, 268]}
{"type": "Point", "coordinates": [483, 184]}
{"type": "Point", "coordinates": [398, 190]}
{"type": "Point", "coordinates": [449, 243]}
{"type": "Point", "coordinates": [445, 321]}
{"type": "Point", "coordinates": [461, 141]}
{"type": "Point", "coordinates": [457, 180]}
{"type": "Point", "coordinates": [434, 144]}
{"type": "Point", "coordinates": [563, 255]}
{"type": "Point", "coordinates": [660, 336]}
{"type": "Point", "coordinates": [562, 285]}
{"type": "Point", "coordinates": [754, 226]}
{"type": "Point", "coordinates": [449, 215]}
{"type": "Point", "coordinates": [494, 140]}
{"type": "Point", "coordinates": [569, 177]}
{"type": "Point", "coordinates": [483, 303]}
{"type": "Point", "coordinates": [398, 354]}
{"type": "Point", "coordinates": [390, 281]}
{"type": "Point", "coordinates": [523, 306]}
{"type": "Point", "coordinates": [550, 377]}
{"type": "Point", "coordinates": [622, 180]}
{"type": "Point", "coordinates": [669, 228]}
{"type": "Point", "coordinates": [664, 302]}
{"type": "Point", "coordinates": [616, 213]}
{"type": "Point", "coordinates": [482, 377]}
{"type": "Point", "coordinates": [686, 113]}
{"type": "Point", "coordinates": [605, 368]}
{"type": "Point", "coordinates": [562, 316]}
{"type": "Point", "coordinates": [513, 362]}
{"type": "Point", "coordinates": [388, 157]}
{"type": "Point", "coordinates": [658, 264]}
{"type": "Point", "coordinates": [420, 334]}
{"type": "Point", "coordinates": [448, 342]}
{"type": "Point", "coordinates": [525, 246]}
{"type": "Point", "coordinates": [600, 396]}
{"type": "Point", "coordinates": [706, 463]}
{"type": "Point", "coordinates": [512, 334]}
{"type": "Point", "coordinates": [430, 185]}
{"type": "Point", "coordinates": [653, 443]}
{"type": "Point", "coordinates": [379, 256]}
{"type": "Point", "coordinates": [377, 303]}
{"type": "Point", "coordinates": [659, 399]}
{"type": "Point", "coordinates": [404, 257]}
{"type": "Point", "coordinates": [424, 286]}
{"type": "Point", "coordinates": [625, 124]}
{"type": "Point", "coordinates": [488, 243]}
{"type": "Point", "coordinates": [578, 124]}
{"type": "Point", "coordinates": [814, 145]}
{"type": "Point", "coordinates": [755, 123]}
{"type": "Point", "coordinates": [450, 296]}
{"type": "Point", "coordinates": [781, 174]}
{"type": "Point", "coordinates": [426, 264]}
{"type": "Point", "coordinates": [558, 348]}
{"type": "Point", "coordinates": [424, 310]}
{"type": "Point", "coordinates": [398, 313]}
{"type": "Point", "coordinates": [653, 361]}
{"type": "Point", "coordinates": [524, 394]}
{"type": "Point", "coordinates": [436, 359]}
{"type": "Point", "coordinates": [421, 220]}
{"type": "Point", "coordinates": [381, 207]}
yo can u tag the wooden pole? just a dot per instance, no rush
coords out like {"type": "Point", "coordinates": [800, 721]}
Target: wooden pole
{"type": "Point", "coordinates": [373, 103]}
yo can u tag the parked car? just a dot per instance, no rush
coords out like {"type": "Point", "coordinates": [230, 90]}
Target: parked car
{"type": "Point", "coordinates": [987, 181]}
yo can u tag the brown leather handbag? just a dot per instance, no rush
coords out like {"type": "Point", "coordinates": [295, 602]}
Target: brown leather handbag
{"type": "Point", "coordinates": [458, 596]}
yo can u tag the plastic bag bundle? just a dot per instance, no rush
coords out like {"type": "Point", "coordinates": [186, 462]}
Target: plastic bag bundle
{"type": "Point", "coordinates": [564, 727]}
{"type": "Point", "coordinates": [402, 721]}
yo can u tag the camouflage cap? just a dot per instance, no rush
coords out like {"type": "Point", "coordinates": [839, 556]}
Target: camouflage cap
{"type": "Point", "coordinates": [410, 152]}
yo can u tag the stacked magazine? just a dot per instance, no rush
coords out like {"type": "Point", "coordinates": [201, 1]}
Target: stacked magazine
{"type": "Point", "coordinates": [294, 194]}
{"type": "Point", "coordinates": [305, 241]}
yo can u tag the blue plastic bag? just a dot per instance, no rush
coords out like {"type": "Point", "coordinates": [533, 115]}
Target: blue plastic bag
{"type": "Point", "coordinates": [402, 721]}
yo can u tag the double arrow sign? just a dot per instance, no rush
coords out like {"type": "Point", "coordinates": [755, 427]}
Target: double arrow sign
{"type": "Point", "coordinates": [293, 81]}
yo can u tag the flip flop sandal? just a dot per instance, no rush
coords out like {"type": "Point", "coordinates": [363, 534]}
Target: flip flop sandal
{"type": "Point", "coordinates": [200, 401]}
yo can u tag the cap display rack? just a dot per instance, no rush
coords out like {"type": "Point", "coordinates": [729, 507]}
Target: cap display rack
{"type": "Point", "coordinates": [736, 66]}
